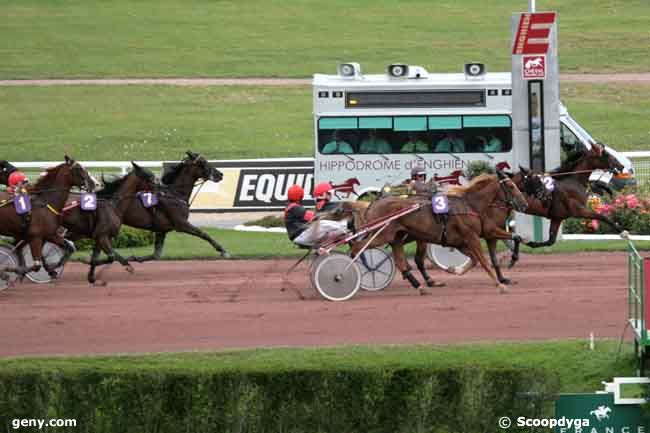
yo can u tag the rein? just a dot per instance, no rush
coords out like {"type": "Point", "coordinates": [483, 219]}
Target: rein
{"type": "Point", "coordinates": [567, 173]}
{"type": "Point", "coordinates": [192, 198]}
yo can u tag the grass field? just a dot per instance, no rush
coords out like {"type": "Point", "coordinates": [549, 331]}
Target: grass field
{"type": "Point", "coordinates": [160, 123]}
{"type": "Point", "coordinates": [249, 245]}
{"type": "Point", "coordinates": [579, 369]}
{"type": "Point", "coordinates": [163, 38]}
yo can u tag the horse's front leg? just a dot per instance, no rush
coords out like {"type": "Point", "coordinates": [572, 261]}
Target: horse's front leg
{"type": "Point", "coordinates": [473, 250]}
{"type": "Point", "coordinates": [553, 230]}
{"type": "Point", "coordinates": [420, 254]}
{"type": "Point", "coordinates": [492, 249]}
{"type": "Point", "coordinates": [587, 213]}
{"type": "Point", "coordinates": [185, 227]}
{"type": "Point", "coordinates": [402, 264]}
{"type": "Point", "coordinates": [68, 249]}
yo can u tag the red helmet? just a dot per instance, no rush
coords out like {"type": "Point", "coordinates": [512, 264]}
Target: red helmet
{"type": "Point", "coordinates": [16, 177]}
{"type": "Point", "coordinates": [322, 188]}
{"type": "Point", "coordinates": [295, 193]}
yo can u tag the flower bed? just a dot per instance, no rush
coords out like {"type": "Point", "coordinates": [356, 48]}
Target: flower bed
{"type": "Point", "coordinates": [630, 211]}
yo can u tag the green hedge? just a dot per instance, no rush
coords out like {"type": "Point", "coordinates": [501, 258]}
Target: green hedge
{"type": "Point", "coordinates": [128, 237]}
{"type": "Point", "coordinates": [384, 399]}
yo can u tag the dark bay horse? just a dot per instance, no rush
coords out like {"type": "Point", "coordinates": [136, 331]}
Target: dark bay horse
{"type": "Point", "coordinates": [461, 228]}
{"type": "Point", "coordinates": [103, 224]}
{"type": "Point", "coordinates": [173, 209]}
{"type": "Point", "coordinates": [568, 196]}
{"type": "Point", "coordinates": [48, 196]}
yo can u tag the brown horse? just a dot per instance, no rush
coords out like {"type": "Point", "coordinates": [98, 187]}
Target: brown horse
{"type": "Point", "coordinates": [461, 228]}
{"type": "Point", "coordinates": [48, 197]}
{"type": "Point", "coordinates": [568, 195]}
{"type": "Point", "coordinates": [493, 228]}
{"type": "Point", "coordinates": [173, 209]}
{"type": "Point", "coordinates": [103, 224]}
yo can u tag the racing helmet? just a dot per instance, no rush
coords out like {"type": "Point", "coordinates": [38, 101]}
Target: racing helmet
{"type": "Point", "coordinates": [418, 170]}
{"type": "Point", "coordinates": [295, 193]}
{"type": "Point", "coordinates": [16, 177]}
{"type": "Point", "coordinates": [322, 188]}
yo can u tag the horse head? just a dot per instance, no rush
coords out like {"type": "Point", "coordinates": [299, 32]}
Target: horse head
{"type": "Point", "coordinates": [511, 194]}
{"type": "Point", "coordinates": [204, 169]}
{"type": "Point", "coordinates": [79, 177]}
{"type": "Point", "coordinates": [613, 164]}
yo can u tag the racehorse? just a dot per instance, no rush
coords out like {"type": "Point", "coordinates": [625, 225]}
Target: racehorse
{"type": "Point", "coordinates": [566, 194]}
{"type": "Point", "coordinates": [5, 170]}
{"type": "Point", "coordinates": [103, 224]}
{"type": "Point", "coordinates": [173, 208]}
{"type": "Point", "coordinates": [493, 228]}
{"type": "Point", "coordinates": [461, 228]}
{"type": "Point", "coordinates": [47, 197]}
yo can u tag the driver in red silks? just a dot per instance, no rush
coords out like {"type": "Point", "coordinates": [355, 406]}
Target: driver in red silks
{"type": "Point", "coordinates": [300, 227]}
{"type": "Point", "coordinates": [17, 183]}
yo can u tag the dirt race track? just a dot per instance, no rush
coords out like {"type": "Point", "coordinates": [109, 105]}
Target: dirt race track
{"type": "Point", "coordinates": [182, 306]}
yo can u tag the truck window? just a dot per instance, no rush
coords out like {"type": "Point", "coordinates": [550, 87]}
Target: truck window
{"type": "Point", "coordinates": [568, 140]}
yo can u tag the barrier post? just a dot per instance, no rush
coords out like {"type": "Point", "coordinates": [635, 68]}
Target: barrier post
{"type": "Point", "coordinates": [638, 313]}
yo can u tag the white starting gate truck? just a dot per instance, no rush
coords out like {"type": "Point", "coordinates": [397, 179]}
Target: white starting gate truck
{"type": "Point", "coordinates": [376, 127]}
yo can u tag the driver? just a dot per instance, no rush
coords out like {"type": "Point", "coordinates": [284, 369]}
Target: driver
{"type": "Point", "coordinates": [17, 183]}
{"type": "Point", "coordinates": [418, 183]}
{"type": "Point", "coordinates": [323, 196]}
{"type": "Point", "coordinates": [302, 228]}
{"type": "Point", "coordinates": [296, 217]}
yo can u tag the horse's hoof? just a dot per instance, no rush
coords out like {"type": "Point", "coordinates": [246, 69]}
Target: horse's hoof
{"type": "Point", "coordinates": [129, 269]}
{"type": "Point", "coordinates": [225, 255]}
{"type": "Point", "coordinates": [424, 292]}
{"type": "Point", "coordinates": [506, 281]}
{"type": "Point", "coordinates": [502, 289]}
{"type": "Point", "coordinates": [100, 283]}
{"type": "Point", "coordinates": [431, 283]}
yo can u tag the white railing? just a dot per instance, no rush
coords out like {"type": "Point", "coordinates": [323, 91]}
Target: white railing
{"type": "Point", "coordinates": [641, 163]}
{"type": "Point", "coordinates": [93, 167]}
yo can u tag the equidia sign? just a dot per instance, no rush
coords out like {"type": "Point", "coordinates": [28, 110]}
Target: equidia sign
{"type": "Point", "coordinates": [254, 185]}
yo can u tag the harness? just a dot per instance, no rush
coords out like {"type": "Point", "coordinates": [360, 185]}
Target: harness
{"type": "Point", "coordinates": [289, 207]}
{"type": "Point", "coordinates": [443, 219]}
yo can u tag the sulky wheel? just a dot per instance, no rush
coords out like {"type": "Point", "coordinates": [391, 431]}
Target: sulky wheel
{"type": "Point", "coordinates": [336, 277]}
{"type": "Point", "coordinates": [377, 269]}
{"type": "Point", "coordinates": [7, 260]}
{"type": "Point", "coordinates": [51, 255]}
{"type": "Point", "coordinates": [446, 257]}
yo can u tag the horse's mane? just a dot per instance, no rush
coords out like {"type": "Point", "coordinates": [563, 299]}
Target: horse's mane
{"type": "Point", "coordinates": [476, 183]}
{"type": "Point", "coordinates": [47, 178]}
{"type": "Point", "coordinates": [171, 173]}
{"type": "Point", "coordinates": [572, 160]}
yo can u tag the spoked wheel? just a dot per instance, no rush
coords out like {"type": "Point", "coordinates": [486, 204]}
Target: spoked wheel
{"type": "Point", "coordinates": [336, 277]}
{"type": "Point", "coordinates": [377, 269]}
{"type": "Point", "coordinates": [51, 255]}
{"type": "Point", "coordinates": [7, 260]}
{"type": "Point", "coordinates": [446, 257]}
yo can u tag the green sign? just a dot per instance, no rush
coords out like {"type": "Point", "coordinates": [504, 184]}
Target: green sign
{"type": "Point", "coordinates": [600, 413]}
